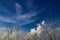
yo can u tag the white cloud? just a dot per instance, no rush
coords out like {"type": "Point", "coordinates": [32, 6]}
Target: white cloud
{"type": "Point", "coordinates": [38, 30]}
{"type": "Point", "coordinates": [26, 22]}
{"type": "Point", "coordinates": [4, 19]}
{"type": "Point", "coordinates": [18, 9]}
{"type": "Point", "coordinates": [43, 22]}
{"type": "Point", "coordinates": [18, 5]}
{"type": "Point", "coordinates": [24, 18]}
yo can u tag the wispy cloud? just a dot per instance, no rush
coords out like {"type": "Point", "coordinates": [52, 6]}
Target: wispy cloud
{"type": "Point", "coordinates": [18, 9]}
{"type": "Point", "coordinates": [4, 19]}
{"type": "Point", "coordinates": [27, 22]}
{"type": "Point", "coordinates": [25, 18]}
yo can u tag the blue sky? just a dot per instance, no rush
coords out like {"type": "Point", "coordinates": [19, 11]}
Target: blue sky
{"type": "Point", "coordinates": [25, 12]}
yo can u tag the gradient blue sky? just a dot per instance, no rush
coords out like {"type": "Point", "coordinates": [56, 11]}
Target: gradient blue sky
{"type": "Point", "coordinates": [28, 11]}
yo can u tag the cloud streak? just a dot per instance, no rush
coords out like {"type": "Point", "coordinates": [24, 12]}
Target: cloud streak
{"type": "Point", "coordinates": [4, 19]}
{"type": "Point", "coordinates": [27, 17]}
{"type": "Point", "coordinates": [23, 19]}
